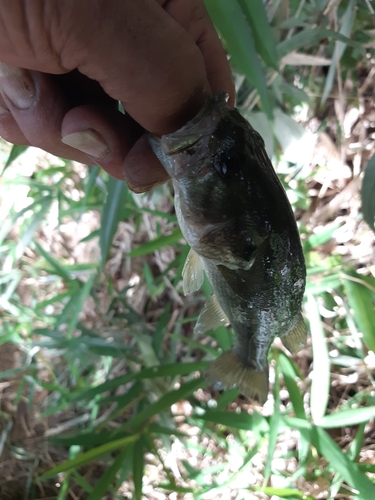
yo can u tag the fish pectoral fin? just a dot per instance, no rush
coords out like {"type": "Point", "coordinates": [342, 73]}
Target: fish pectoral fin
{"type": "Point", "coordinates": [218, 243]}
{"type": "Point", "coordinates": [229, 371]}
{"type": "Point", "coordinates": [295, 339]}
{"type": "Point", "coordinates": [211, 317]}
{"type": "Point", "coordinates": [192, 273]}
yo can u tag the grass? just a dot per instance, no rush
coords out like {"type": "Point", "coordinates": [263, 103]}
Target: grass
{"type": "Point", "coordinates": [101, 388]}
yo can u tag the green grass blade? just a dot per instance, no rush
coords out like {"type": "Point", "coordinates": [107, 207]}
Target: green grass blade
{"type": "Point", "coordinates": [319, 239]}
{"type": "Point", "coordinates": [345, 30]}
{"type": "Point", "coordinates": [310, 37]}
{"type": "Point", "coordinates": [85, 485]}
{"type": "Point", "coordinates": [157, 243]}
{"type": "Point", "coordinates": [138, 468]}
{"type": "Point", "coordinates": [89, 456]}
{"type": "Point", "coordinates": [368, 193]}
{"type": "Point", "coordinates": [90, 183]}
{"type": "Point", "coordinates": [361, 301]}
{"type": "Point", "coordinates": [274, 424]}
{"type": "Point", "coordinates": [241, 420]}
{"type": "Point", "coordinates": [229, 18]}
{"type": "Point", "coordinates": [256, 16]}
{"type": "Point", "coordinates": [342, 464]}
{"type": "Point", "coordinates": [15, 152]}
{"type": "Point", "coordinates": [347, 417]}
{"type": "Point", "coordinates": [160, 331]}
{"type": "Point", "coordinates": [321, 371]}
{"type": "Point", "coordinates": [33, 224]}
{"type": "Point", "coordinates": [357, 443]}
{"type": "Point", "coordinates": [172, 370]}
{"type": "Point", "coordinates": [165, 402]}
{"type": "Point", "coordinates": [288, 493]}
{"type": "Point", "coordinates": [58, 268]}
{"type": "Point", "coordinates": [289, 375]}
{"type": "Point", "coordinates": [111, 214]}
{"type": "Point", "coordinates": [316, 285]}
{"type": "Point", "coordinates": [80, 298]}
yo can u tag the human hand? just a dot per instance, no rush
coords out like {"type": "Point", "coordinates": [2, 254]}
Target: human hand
{"type": "Point", "coordinates": [66, 64]}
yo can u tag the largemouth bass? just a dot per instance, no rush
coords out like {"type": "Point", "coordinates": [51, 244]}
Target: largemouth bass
{"type": "Point", "coordinates": [235, 215]}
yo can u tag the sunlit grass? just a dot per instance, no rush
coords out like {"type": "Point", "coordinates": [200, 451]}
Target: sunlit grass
{"type": "Point", "coordinates": [101, 379]}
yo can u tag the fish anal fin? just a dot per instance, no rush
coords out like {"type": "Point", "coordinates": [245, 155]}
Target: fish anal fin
{"type": "Point", "coordinates": [211, 317]}
{"type": "Point", "coordinates": [295, 339]}
{"type": "Point", "coordinates": [229, 371]}
{"type": "Point", "coordinates": [192, 273]}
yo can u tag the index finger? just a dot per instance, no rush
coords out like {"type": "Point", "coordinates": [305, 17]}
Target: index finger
{"type": "Point", "coordinates": [193, 16]}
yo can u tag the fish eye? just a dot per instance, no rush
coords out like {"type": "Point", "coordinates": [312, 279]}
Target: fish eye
{"type": "Point", "coordinates": [227, 148]}
{"type": "Point", "coordinates": [228, 162]}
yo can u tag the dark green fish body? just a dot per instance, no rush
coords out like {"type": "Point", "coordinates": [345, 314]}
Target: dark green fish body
{"type": "Point", "coordinates": [235, 215]}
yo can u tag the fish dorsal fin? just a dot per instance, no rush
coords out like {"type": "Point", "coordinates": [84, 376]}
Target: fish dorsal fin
{"type": "Point", "coordinates": [211, 317]}
{"type": "Point", "coordinates": [192, 273]}
{"type": "Point", "coordinates": [295, 339]}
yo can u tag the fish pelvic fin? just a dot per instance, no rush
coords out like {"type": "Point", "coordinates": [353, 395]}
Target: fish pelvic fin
{"type": "Point", "coordinates": [211, 317]}
{"type": "Point", "coordinates": [229, 371]}
{"type": "Point", "coordinates": [295, 339]}
{"type": "Point", "coordinates": [192, 273]}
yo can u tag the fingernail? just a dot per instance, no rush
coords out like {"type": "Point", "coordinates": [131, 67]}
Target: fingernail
{"type": "Point", "coordinates": [17, 85]}
{"type": "Point", "coordinates": [143, 189]}
{"type": "Point", "coordinates": [89, 142]}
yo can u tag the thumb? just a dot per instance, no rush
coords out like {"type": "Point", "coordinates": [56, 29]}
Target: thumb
{"type": "Point", "coordinates": [134, 49]}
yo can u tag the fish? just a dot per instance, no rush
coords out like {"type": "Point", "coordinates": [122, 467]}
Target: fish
{"type": "Point", "coordinates": [234, 213]}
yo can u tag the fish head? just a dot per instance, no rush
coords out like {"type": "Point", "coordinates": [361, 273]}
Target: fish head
{"type": "Point", "coordinates": [209, 162]}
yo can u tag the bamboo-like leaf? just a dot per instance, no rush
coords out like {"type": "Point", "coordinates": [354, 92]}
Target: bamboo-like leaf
{"type": "Point", "coordinates": [287, 493]}
{"type": "Point", "coordinates": [33, 225]}
{"type": "Point", "coordinates": [173, 369]}
{"type": "Point", "coordinates": [289, 375]}
{"type": "Point", "coordinates": [256, 15]}
{"type": "Point", "coordinates": [357, 443]}
{"type": "Point", "coordinates": [230, 20]}
{"type": "Point", "coordinates": [342, 464]}
{"type": "Point", "coordinates": [58, 268]}
{"type": "Point", "coordinates": [93, 174]}
{"type": "Point", "coordinates": [321, 371]}
{"type": "Point", "coordinates": [80, 298]}
{"type": "Point", "coordinates": [111, 215]}
{"type": "Point", "coordinates": [299, 59]}
{"type": "Point", "coordinates": [138, 467]}
{"type": "Point", "coordinates": [361, 301]}
{"type": "Point", "coordinates": [310, 37]}
{"type": "Point", "coordinates": [157, 243]}
{"type": "Point", "coordinates": [345, 30]}
{"type": "Point", "coordinates": [241, 420]}
{"type": "Point", "coordinates": [89, 456]}
{"type": "Point", "coordinates": [166, 401]}
{"type": "Point", "coordinates": [368, 193]}
{"type": "Point", "coordinates": [319, 238]}
{"type": "Point", "coordinates": [316, 285]}
{"type": "Point", "coordinates": [15, 152]}
{"type": "Point", "coordinates": [347, 417]}
{"type": "Point", "coordinates": [274, 425]}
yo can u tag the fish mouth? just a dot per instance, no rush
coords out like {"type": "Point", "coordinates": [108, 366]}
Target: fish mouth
{"type": "Point", "coordinates": [199, 127]}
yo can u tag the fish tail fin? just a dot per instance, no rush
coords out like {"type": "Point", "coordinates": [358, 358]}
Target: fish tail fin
{"type": "Point", "coordinates": [295, 339]}
{"type": "Point", "coordinates": [229, 371]}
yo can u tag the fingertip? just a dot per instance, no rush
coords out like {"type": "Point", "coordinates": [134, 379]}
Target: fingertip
{"type": "Point", "coordinates": [142, 170]}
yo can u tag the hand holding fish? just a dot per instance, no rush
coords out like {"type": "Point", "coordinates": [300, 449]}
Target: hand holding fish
{"type": "Point", "coordinates": [65, 65]}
